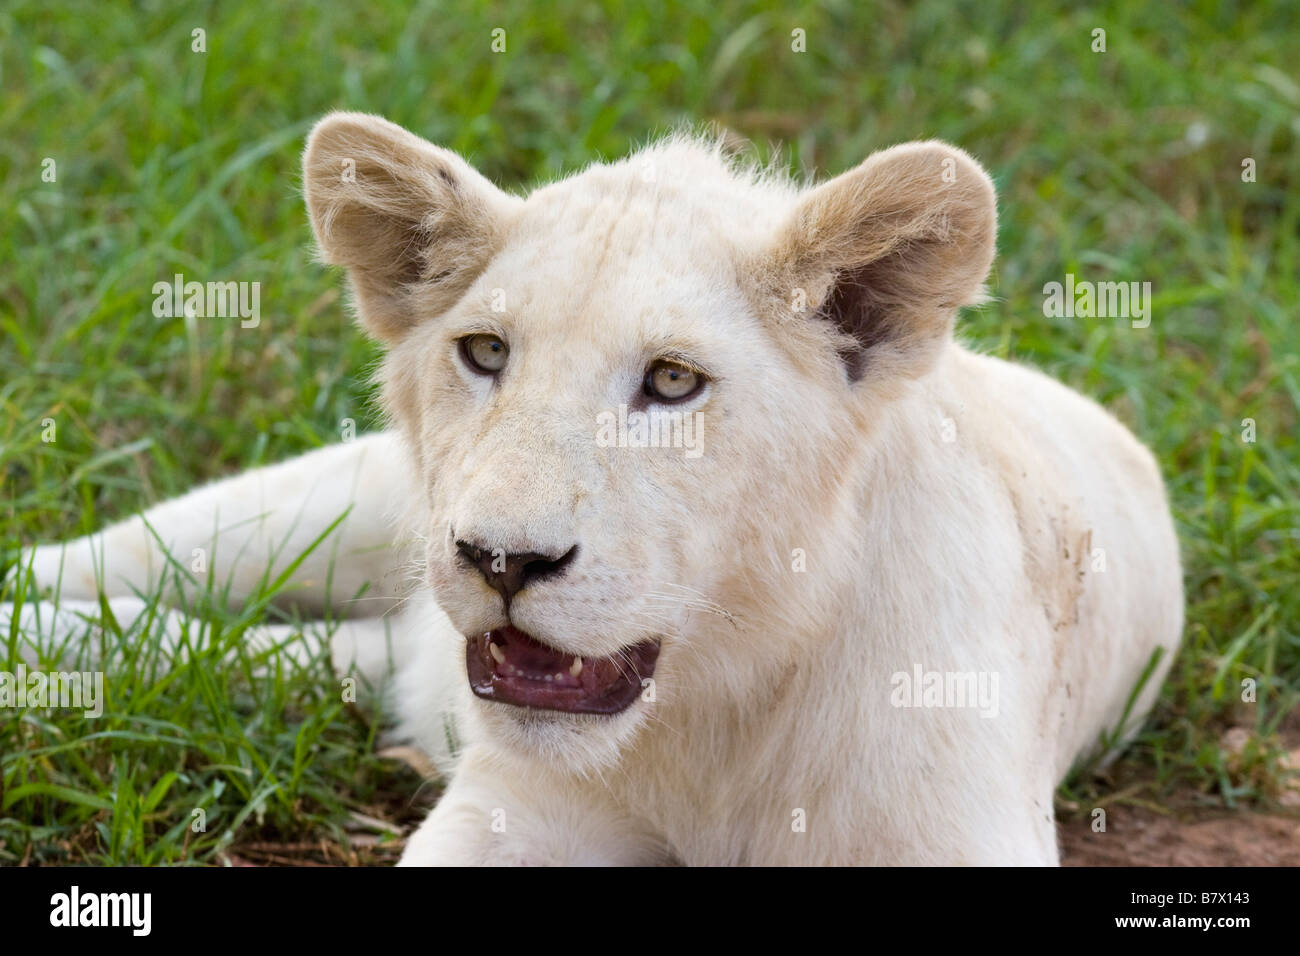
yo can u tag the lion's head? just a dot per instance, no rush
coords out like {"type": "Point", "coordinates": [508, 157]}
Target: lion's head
{"type": "Point", "coordinates": [638, 397]}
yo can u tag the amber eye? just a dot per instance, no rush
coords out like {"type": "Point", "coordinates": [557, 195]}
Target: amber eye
{"type": "Point", "coordinates": [671, 382]}
{"type": "Point", "coordinates": [484, 353]}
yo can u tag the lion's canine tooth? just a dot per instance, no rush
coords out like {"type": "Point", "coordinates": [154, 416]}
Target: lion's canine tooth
{"type": "Point", "coordinates": [576, 667]}
{"type": "Point", "coordinates": [496, 653]}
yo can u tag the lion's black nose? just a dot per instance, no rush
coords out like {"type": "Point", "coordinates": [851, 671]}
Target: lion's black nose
{"type": "Point", "coordinates": [508, 573]}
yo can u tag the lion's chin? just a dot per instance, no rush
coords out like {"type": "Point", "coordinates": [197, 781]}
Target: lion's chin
{"type": "Point", "coordinates": [511, 667]}
{"type": "Point", "coordinates": [580, 744]}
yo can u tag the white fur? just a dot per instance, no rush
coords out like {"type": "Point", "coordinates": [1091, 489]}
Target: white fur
{"type": "Point", "coordinates": [950, 508]}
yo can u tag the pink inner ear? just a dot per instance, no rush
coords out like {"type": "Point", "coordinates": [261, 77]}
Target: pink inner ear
{"type": "Point", "coordinates": [851, 308]}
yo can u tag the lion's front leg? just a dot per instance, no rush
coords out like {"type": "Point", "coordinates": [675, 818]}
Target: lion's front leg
{"type": "Point", "coordinates": [320, 519]}
{"type": "Point", "coordinates": [498, 815]}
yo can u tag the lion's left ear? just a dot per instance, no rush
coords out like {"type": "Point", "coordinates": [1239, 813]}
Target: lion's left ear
{"type": "Point", "coordinates": [889, 250]}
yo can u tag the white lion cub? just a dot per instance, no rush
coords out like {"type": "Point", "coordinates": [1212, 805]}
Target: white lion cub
{"type": "Point", "coordinates": [728, 552]}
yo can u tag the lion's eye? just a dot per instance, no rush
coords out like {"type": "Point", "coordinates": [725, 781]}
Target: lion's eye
{"type": "Point", "coordinates": [484, 353]}
{"type": "Point", "coordinates": [670, 382]}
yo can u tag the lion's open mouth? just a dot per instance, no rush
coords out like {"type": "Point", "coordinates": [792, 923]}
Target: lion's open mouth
{"type": "Point", "coordinates": [510, 666]}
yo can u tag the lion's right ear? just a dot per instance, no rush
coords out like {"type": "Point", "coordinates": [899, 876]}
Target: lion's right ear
{"type": "Point", "coordinates": [413, 223]}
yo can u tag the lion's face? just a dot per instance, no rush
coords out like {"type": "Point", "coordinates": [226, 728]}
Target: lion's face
{"type": "Point", "coordinates": [604, 399]}
{"type": "Point", "coordinates": [631, 401]}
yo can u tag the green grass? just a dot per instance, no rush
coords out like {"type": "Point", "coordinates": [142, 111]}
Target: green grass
{"type": "Point", "coordinates": [1123, 165]}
